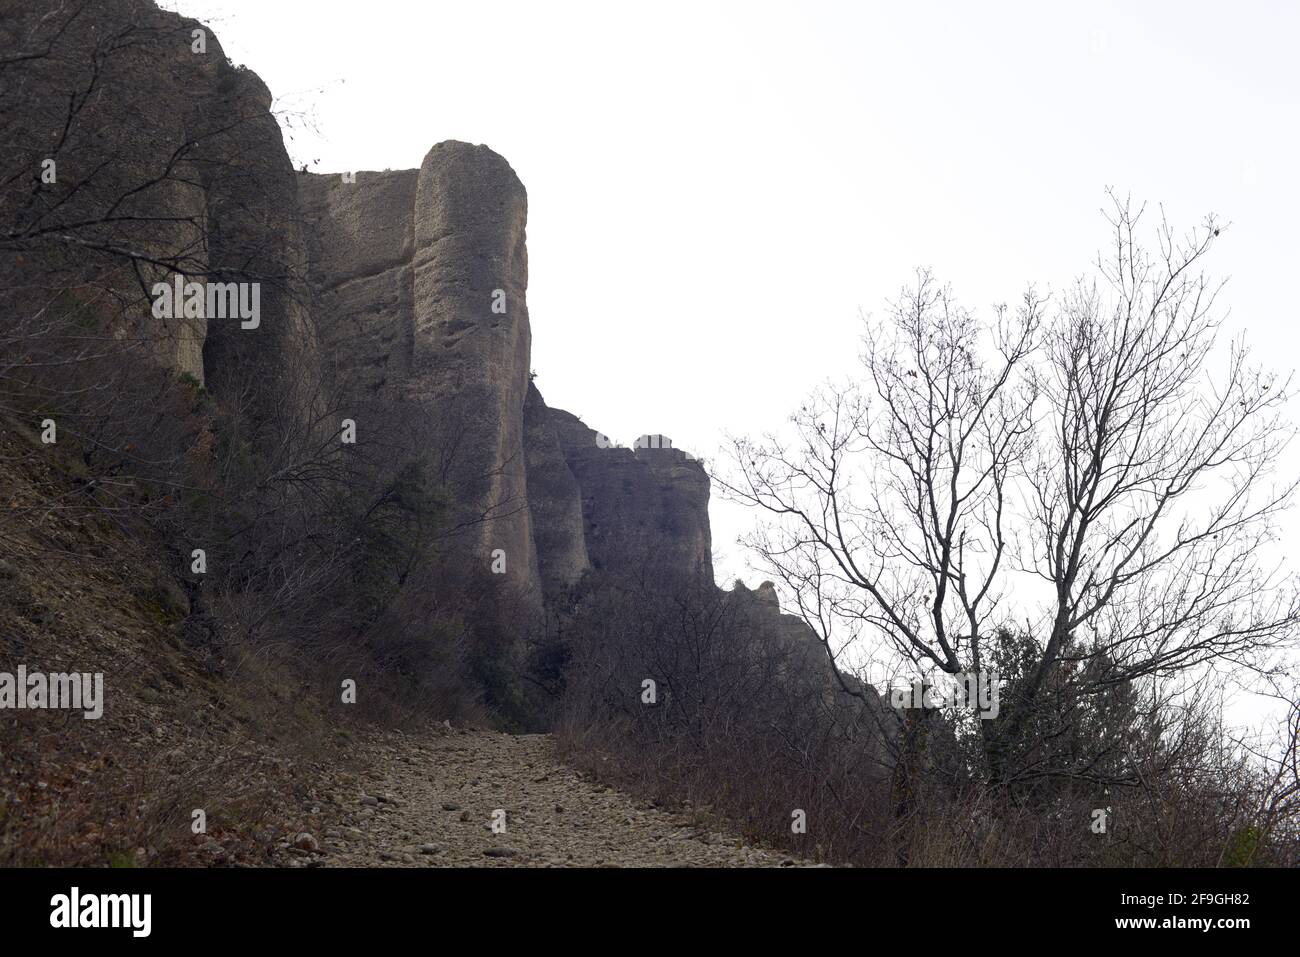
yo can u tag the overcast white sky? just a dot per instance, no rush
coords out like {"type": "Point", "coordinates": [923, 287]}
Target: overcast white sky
{"type": "Point", "coordinates": [716, 189]}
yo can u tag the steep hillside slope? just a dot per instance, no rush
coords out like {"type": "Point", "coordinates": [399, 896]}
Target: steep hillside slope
{"type": "Point", "coordinates": [185, 725]}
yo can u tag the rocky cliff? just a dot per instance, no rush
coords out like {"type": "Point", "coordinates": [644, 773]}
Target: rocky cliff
{"type": "Point", "coordinates": [422, 277]}
{"type": "Point", "coordinates": [396, 301]}
{"type": "Point", "coordinates": [643, 507]}
{"type": "Point", "coordinates": [153, 157]}
{"type": "Point", "coordinates": [554, 500]}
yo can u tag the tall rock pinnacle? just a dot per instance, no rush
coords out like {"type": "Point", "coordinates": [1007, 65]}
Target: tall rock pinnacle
{"type": "Point", "coordinates": [471, 336]}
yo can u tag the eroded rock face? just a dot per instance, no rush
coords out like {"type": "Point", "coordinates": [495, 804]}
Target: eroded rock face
{"type": "Point", "coordinates": [554, 500]}
{"type": "Point", "coordinates": [799, 658]}
{"type": "Point", "coordinates": [471, 339]}
{"type": "Point", "coordinates": [403, 292]}
{"type": "Point", "coordinates": [398, 298]}
{"type": "Point", "coordinates": [421, 286]}
{"type": "Point", "coordinates": [254, 235]}
{"type": "Point", "coordinates": [173, 168]}
{"type": "Point", "coordinates": [113, 151]}
{"type": "Point", "coordinates": [644, 508]}
{"type": "Point", "coordinates": [785, 637]}
{"type": "Point", "coordinates": [421, 278]}
{"type": "Point", "coordinates": [361, 239]}
{"type": "Point", "coordinates": [421, 282]}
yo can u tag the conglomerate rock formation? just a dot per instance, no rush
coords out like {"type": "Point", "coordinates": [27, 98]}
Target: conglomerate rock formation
{"type": "Point", "coordinates": [398, 296]}
{"type": "Point", "coordinates": [169, 164]}
{"type": "Point", "coordinates": [640, 506]}
{"type": "Point", "coordinates": [421, 278]}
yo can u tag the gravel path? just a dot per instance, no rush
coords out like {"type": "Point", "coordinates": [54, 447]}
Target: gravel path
{"type": "Point", "coordinates": [434, 801]}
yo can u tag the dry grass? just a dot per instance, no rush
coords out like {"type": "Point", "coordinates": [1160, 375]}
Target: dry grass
{"type": "Point", "coordinates": [243, 733]}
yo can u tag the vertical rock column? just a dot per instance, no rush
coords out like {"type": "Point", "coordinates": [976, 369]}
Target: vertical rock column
{"type": "Point", "coordinates": [471, 345]}
{"type": "Point", "coordinates": [554, 501]}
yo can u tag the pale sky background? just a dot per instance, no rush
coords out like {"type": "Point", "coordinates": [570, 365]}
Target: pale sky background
{"type": "Point", "coordinates": [716, 189]}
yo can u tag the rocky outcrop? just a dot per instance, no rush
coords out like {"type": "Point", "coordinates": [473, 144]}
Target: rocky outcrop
{"type": "Point", "coordinates": [421, 278]}
{"type": "Point", "coordinates": [554, 500]}
{"type": "Point", "coordinates": [799, 659]}
{"type": "Point", "coordinates": [785, 638]}
{"type": "Point", "coordinates": [356, 463]}
{"type": "Point", "coordinates": [255, 235]}
{"type": "Point", "coordinates": [361, 246]}
{"type": "Point", "coordinates": [471, 339]}
{"type": "Point", "coordinates": [163, 162]}
{"type": "Point", "coordinates": [398, 298]}
{"type": "Point", "coordinates": [643, 508]}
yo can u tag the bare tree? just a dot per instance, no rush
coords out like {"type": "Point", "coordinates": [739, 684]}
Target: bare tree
{"type": "Point", "coordinates": [1089, 479]}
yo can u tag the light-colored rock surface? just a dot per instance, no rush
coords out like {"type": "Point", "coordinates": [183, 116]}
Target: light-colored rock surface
{"type": "Point", "coordinates": [444, 790]}
{"type": "Point", "coordinates": [408, 267]}
{"type": "Point", "coordinates": [361, 241]}
{"type": "Point", "coordinates": [470, 255]}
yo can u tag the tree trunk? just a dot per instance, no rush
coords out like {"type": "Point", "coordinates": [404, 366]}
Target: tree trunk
{"type": "Point", "coordinates": [908, 769]}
